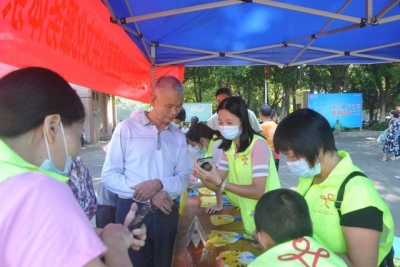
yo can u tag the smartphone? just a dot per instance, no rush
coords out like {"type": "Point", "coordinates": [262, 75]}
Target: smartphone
{"type": "Point", "coordinates": [205, 163]}
{"type": "Point", "coordinates": [139, 217]}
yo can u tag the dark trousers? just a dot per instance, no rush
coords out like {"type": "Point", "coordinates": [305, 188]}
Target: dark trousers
{"type": "Point", "coordinates": [161, 233]}
{"type": "Point", "coordinates": [105, 214]}
{"type": "Point", "coordinates": [388, 260]}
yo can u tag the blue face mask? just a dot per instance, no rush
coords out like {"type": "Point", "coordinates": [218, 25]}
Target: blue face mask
{"type": "Point", "coordinates": [48, 165]}
{"type": "Point", "coordinates": [300, 168]}
{"type": "Point", "coordinates": [199, 151]}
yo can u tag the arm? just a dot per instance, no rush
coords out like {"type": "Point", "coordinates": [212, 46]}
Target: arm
{"type": "Point", "coordinates": [254, 122]}
{"type": "Point", "coordinates": [112, 174]}
{"type": "Point", "coordinates": [362, 247]}
{"type": "Point", "coordinates": [218, 206]}
{"type": "Point", "coordinates": [260, 156]}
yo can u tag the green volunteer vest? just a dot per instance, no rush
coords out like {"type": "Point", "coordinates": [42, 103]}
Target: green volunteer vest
{"type": "Point", "coordinates": [210, 149]}
{"type": "Point", "coordinates": [302, 252]}
{"type": "Point", "coordinates": [359, 193]}
{"type": "Point", "coordinates": [11, 164]}
{"type": "Point", "coordinates": [241, 172]}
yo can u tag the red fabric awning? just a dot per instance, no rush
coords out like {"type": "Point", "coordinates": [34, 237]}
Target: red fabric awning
{"type": "Point", "coordinates": [77, 40]}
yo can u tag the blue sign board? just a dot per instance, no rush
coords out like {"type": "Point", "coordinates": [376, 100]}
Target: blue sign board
{"type": "Point", "coordinates": [345, 107]}
{"type": "Point", "coordinates": [201, 110]}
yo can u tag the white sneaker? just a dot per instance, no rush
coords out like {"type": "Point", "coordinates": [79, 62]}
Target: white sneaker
{"type": "Point", "coordinates": [397, 157]}
{"type": "Point", "coordinates": [397, 176]}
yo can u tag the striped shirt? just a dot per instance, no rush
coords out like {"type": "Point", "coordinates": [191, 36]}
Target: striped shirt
{"type": "Point", "coordinates": [138, 152]}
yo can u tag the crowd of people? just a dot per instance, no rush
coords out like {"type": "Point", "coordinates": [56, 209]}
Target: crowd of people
{"type": "Point", "coordinates": [335, 209]}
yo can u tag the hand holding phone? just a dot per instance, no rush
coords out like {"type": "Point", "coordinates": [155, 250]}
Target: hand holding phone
{"type": "Point", "coordinates": [139, 217]}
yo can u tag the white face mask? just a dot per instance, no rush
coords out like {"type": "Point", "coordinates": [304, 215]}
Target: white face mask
{"type": "Point", "coordinates": [300, 168]}
{"type": "Point", "coordinates": [48, 165]}
{"type": "Point", "coordinates": [230, 132]}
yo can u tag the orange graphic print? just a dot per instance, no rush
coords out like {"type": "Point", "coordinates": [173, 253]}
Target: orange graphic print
{"type": "Point", "coordinates": [327, 199]}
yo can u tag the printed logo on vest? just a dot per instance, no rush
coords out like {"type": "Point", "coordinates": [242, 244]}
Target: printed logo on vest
{"type": "Point", "coordinates": [328, 198]}
{"type": "Point", "coordinates": [302, 245]}
{"type": "Point", "coordinates": [245, 159]}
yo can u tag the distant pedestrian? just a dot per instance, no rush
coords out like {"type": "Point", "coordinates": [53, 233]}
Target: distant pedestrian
{"type": "Point", "coordinates": [392, 142]}
{"type": "Point", "coordinates": [338, 128]}
{"type": "Point", "coordinates": [268, 129]}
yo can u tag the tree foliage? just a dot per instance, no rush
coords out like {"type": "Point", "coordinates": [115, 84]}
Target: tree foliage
{"type": "Point", "coordinates": [379, 83]}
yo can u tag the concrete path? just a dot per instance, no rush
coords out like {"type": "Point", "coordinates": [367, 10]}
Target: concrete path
{"type": "Point", "coordinates": [362, 146]}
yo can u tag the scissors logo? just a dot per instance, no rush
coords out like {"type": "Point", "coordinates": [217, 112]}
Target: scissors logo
{"type": "Point", "coordinates": [329, 198]}
{"type": "Point", "coordinates": [303, 246]}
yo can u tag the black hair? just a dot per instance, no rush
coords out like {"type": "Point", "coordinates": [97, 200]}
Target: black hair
{"type": "Point", "coordinates": [30, 94]}
{"type": "Point", "coordinates": [266, 110]}
{"type": "Point", "coordinates": [237, 107]}
{"type": "Point", "coordinates": [223, 91]}
{"type": "Point", "coordinates": [395, 113]}
{"type": "Point", "coordinates": [305, 132]}
{"type": "Point", "coordinates": [199, 130]}
{"type": "Point", "coordinates": [181, 115]}
{"type": "Point", "coordinates": [194, 120]}
{"type": "Point", "coordinates": [284, 215]}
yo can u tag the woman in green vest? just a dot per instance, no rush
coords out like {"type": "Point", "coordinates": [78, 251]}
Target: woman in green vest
{"type": "Point", "coordinates": [42, 224]}
{"type": "Point", "coordinates": [357, 225]}
{"type": "Point", "coordinates": [247, 169]}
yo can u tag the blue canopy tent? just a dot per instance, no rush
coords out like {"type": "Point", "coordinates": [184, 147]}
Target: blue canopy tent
{"type": "Point", "coordinates": [261, 32]}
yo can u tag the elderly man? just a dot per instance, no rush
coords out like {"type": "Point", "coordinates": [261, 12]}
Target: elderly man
{"type": "Point", "coordinates": [147, 161]}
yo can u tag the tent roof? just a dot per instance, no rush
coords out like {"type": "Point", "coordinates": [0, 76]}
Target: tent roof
{"type": "Point", "coordinates": [284, 32]}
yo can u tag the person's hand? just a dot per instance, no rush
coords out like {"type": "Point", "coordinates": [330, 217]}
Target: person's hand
{"type": "Point", "coordinates": [213, 208]}
{"type": "Point", "coordinates": [207, 176]}
{"type": "Point", "coordinates": [116, 236]}
{"type": "Point", "coordinates": [163, 202]}
{"type": "Point", "coordinates": [140, 233]}
{"type": "Point", "coordinates": [146, 190]}
{"type": "Point", "coordinates": [139, 237]}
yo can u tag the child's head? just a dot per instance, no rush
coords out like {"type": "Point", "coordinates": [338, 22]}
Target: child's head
{"type": "Point", "coordinates": [281, 215]}
{"type": "Point", "coordinates": [337, 121]}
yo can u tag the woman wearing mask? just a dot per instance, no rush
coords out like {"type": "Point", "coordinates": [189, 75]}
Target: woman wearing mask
{"type": "Point", "coordinates": [247, 169]}
{"type": "Point", "coordinates": [205, 141]}
{"type": "Point", "coordinates": [41, 120]}
{"type": "Point", "coordinates": [357, 226]}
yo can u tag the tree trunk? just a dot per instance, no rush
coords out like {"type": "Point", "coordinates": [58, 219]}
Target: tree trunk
{"type": "Point", "coordinates": [285, 101]}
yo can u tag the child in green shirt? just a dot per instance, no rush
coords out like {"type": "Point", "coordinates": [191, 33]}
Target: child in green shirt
{"type": "Point", "coordinates": [284, 230]}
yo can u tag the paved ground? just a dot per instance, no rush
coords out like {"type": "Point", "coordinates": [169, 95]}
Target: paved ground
{"type": "Point", "coordinates": [364, 149]}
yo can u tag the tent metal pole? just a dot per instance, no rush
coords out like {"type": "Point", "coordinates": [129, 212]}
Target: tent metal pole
{"type": "Point", "coordinates": [316, 59]}
{"type": "Point", "coordinates": [182, 10]}
{"type": "Point", "coordinates": [368, 11]}
{"type": "Point", "coordinates": [186, 60]}
{"type": "Point", "coordinates": [389, 19]}
{"type": "Point", "coordinates": [153, 68]}
{"type": "Point", "coordinates": [320, 31]}
{"type": "Point", "coordinates": [255, 49]}
{"type": "Point", "coordinates": [386, 9]}
{"type": "Point", "coordinates": [255, 60]}
{"type": "Point", "coordinates": [376, 47]}
{"type": "Point", "coordinates": [317, 48]}
{"type": "Point", "coordinates": [308, 10]}
{"type": "Point", "coordinates": [376, 57]}
{"type": "Point", "coordinates": [189, 49]}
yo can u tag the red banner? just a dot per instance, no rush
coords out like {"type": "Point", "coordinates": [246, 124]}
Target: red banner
{"type": "Point", "coordinates": [76, 39]}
